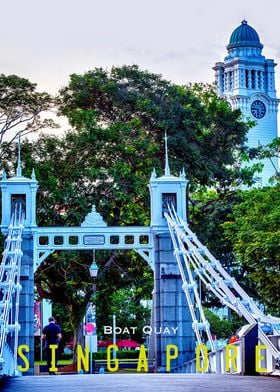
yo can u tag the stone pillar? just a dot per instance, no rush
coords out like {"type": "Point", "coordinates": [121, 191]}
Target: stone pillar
{"type": "Point", "coordinates": [26, 302]}
{"type": "Point", "coordinates": [226, 81]}
{"type": "Point", "coordinates": [171, 313]}
{"type": "Point", "coordinates": [249, 79]}
{"type": "Point", "coordinates": [219, 77]}
{"type": "Point", "coordinates": [262, 81]}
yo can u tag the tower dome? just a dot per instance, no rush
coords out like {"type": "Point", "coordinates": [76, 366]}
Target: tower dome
{"type": "Point", "coordinates": [244, 35]}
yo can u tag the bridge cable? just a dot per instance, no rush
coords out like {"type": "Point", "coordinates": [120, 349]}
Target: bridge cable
{"type": "Point", "coordinates": [203, 264]}
{"type": "Point", "coordinates": [10, 289]}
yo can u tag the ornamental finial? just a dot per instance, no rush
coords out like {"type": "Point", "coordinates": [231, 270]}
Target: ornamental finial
{"type": "Point", "coordinates": [167, 169]}
{"type": "Point", "coordinates": [19, 172]}
{"type": "Point", "coordinates": [33, 176]}
{"type": "Point", "coordinates": [244, 21]}
{"type": "Point", "coordinates": [183, 174]}
{"type": "Point", "coordinates": [93, 218]}
{"type": "Point", "coordinates": [4, 175]}
{"type": "Point", "coordinates": [153, 174]}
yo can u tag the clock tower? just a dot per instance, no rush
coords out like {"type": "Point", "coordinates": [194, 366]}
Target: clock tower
{"type": "Point", "coordinates": [246, 80]}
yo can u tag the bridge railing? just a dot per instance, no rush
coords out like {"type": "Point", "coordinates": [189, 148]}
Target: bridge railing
{"type": "Point", "coordinates": [269, 362]}
{"type": "Point", "coordinates": [219, 362]}
{"type": "Point", "coordinates": [219, 358]}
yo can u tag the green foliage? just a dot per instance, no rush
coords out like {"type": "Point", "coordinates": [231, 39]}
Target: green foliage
{"type": "Point", "coordinates": [63, 319]}
{"type": "Point", "coordinates": [222, 328]}
{"type": "Point", "coordinates": [208, 210]}
{"type": "Point", "coordinates": [72, 178]}
{"type": "Point", "coordinates": [121, 284]}
{"type": "Point", "coordinates": [272, 152]}
{"type": "Point", "coordinates": [130, 313]}
{"type": "Point", "coordinates": [121, 354]}
{"type": "Point", "coordinates": [205, 135]}
{"type": "Point", "coordinates": [119, 119]}
{"type": "Point", "coordinates": [20, 108]}
{"type": "Point", "coordinates": [64, 279]}
{"type": "Point", "coordinates": [253, 229]}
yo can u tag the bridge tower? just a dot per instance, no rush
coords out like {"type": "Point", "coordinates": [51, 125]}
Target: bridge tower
{"type": "Point", "coordinates": [14, 190]}
{"type": "Point", "coordinates": [171, 322]}
{"type": "Point", "coordinates": [170, 308]}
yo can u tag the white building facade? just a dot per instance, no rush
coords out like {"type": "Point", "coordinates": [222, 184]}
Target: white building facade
{"type": "Point", "coordinates": [247, 80]}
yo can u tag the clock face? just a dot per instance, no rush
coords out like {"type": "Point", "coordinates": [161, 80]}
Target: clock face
{"type": "Point", "coordinates": [258, 109]}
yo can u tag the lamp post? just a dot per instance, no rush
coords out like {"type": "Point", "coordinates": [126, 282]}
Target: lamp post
{"type": "Point", "coordinates": [93, 270]}
{"type": "Point", "coordinates": [114, 336]}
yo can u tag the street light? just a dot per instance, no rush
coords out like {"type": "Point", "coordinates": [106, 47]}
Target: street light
{"type": "Point", "coordinates": [93, 269]}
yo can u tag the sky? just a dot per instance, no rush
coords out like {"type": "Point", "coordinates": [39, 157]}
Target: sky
{"type": "Point", "coordinates": [47, 40]}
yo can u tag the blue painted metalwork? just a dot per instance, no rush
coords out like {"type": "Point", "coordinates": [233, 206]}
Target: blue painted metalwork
{"type": "Point", "coordinates": [49, 239]}
{"type": "Point", "coordinates": [192, 258]}
{"type": "Point", "coordinates": [95, 234]}
{"type": "Point", "coordinates": [10, 289]}
{"type": "Point", "coordinates": [168, 245]}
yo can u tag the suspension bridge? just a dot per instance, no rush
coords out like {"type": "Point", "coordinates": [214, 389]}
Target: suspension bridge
{"type": "Point", "coordinates": [173, 251]}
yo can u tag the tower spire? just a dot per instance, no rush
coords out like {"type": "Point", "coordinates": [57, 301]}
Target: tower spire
{"type": "Point", "coordinates": [167, 169]}
{"type": "Point", "coordinates": [19, 173]}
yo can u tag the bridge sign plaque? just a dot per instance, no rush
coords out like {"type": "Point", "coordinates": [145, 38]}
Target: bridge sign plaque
{"type": "Point", "coordinates": [94, 240]}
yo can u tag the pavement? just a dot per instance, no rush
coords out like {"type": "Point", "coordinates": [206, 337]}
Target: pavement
{"type": "Point", "coordinates": [142, 383]}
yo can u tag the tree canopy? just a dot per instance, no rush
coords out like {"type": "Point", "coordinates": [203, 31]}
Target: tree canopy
{"type": "Point", "coordinates": [21, 107]}
{"type": "Point", "coordinates": [119, 118]}
{"type": "Point", "coordinates": [205, 135]}
{"type": "Point", "coordinates": [253, 229]}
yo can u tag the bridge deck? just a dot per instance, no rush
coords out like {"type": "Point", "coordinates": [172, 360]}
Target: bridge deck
{"type": "Point", "coordinates": [142, 382]}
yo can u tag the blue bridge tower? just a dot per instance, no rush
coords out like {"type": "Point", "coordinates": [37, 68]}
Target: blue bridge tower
{"type": "Point", "coordinates": [20, 190]}
{"type": "Point", "coordinates": [170, 306]}
{"type": "Point", "coordinates": [171, 321]}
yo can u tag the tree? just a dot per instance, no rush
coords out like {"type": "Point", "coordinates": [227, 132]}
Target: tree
{"type": "Point", "coordinates": [71, 180]}
{"type": "Point", "coordinates": [131, 280]}
{"type": "Point", "coordinates": [205, 135]}
{"type": "Point", "coordinates": [272, 152]}
{"type": "Point", "coordinates": [64, 278]}
{"type": "Point", "coordinates": [120, 118]}
{"type": "Point", "coordinates": [21, 107]}
{"type": "Point", "coordinates": [253, 229]}
{"type": "Point", "coordinates": [221, 328]}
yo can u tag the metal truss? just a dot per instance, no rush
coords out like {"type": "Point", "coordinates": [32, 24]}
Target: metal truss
{"type": "Point", "coordinates": [50, 239]}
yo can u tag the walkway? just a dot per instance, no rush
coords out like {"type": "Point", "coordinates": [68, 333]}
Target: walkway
{"type": "Point", "coordinates": [142, 382]}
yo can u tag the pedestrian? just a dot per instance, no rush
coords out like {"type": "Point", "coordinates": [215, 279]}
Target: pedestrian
{"type": "Point", "coordinates": [51, 335]}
